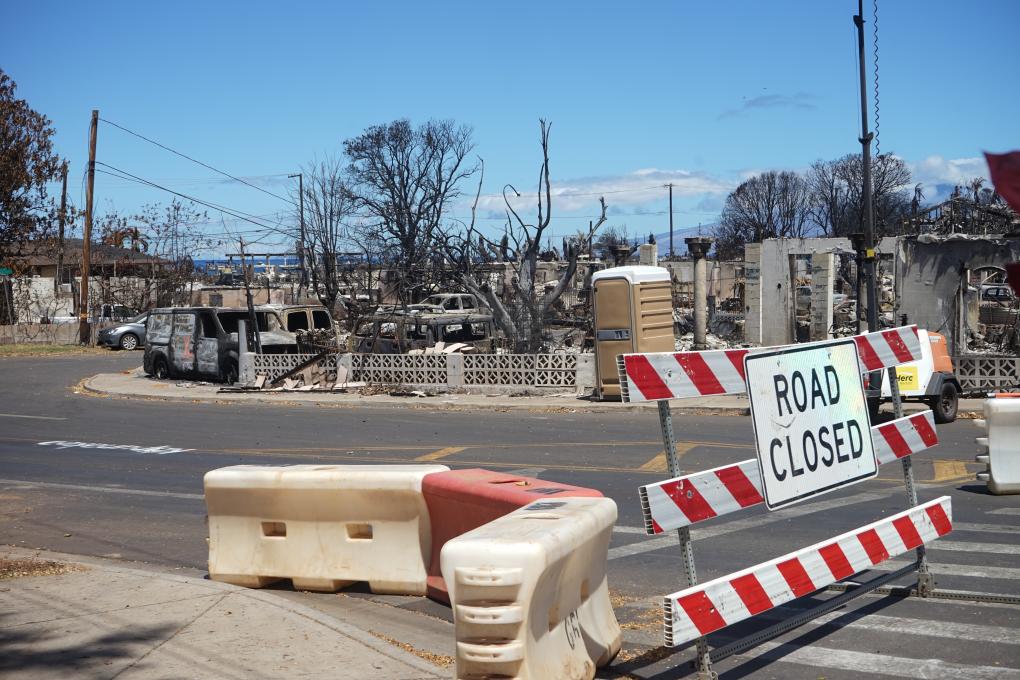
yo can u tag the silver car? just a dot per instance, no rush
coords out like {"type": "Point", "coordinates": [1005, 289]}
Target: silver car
{"type": "Point", "coordinates": [129, 334]}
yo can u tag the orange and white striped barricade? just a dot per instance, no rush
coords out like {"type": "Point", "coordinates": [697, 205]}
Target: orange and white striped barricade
{"type": "Point", "coordinates": [681, 501]}
{"type": "Point", "coordinates": [686, 500]}
{"type": "Point", "coordinates": [321, 526]}
{"type": "Point", "coordinates": [529, 592]}
{"type": "Point", "coordinates": [708, 607]}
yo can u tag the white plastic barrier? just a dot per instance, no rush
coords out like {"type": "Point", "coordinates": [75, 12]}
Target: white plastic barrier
{"type": "Point", "coordinates": [322, 526]}
{"type": "Point", "coordinates": [1002, 423]}
{"type": "Point", "coordinates": [529, 592]}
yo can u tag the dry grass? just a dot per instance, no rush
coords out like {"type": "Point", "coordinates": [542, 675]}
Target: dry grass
{"type": "Point", "coordinates": [648, 619]}
{"type": "Point", "coordinates": [42, 350]}
{"type": "Point", "coordinates": [24, 568]}
{"type": "Point", "coordinates": [440, 660]}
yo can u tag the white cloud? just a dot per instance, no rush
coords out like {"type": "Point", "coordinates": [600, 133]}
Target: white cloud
{"type": "Point", "coordinates": [935, 170]}
{"type": "Point", "coordinates": [636, 188]}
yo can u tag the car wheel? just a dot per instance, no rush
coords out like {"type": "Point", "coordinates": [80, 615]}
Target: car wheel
{"type": "Point", "coordinates": [160, 368]}
{"type": "Point", "coordinates": [129, 341]}
{"type": "Point", "coordinates": [945, 405]}
{"type": "Point", "coordinates": [230, 374]}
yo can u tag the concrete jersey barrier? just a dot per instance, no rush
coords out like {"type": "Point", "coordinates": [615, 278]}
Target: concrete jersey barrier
{"type": "Point", "coordinates": [529, 592]}
{"type": "Point", "coordinates": [1002, 423]}
{"type": "Point", "coordinates": [322, 526]}
{"type": "Point", "coordinates": [462, 500]}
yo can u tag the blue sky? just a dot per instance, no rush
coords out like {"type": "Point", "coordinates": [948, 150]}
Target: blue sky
{"type": "Point", "coordinates": [639, 94]}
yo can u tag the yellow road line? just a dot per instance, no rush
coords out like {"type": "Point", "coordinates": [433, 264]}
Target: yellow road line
{"type": "Point", "coordinates": [659, 462]}
{"type": "Point", "coordinates": [441, 453]}
{"type": "Point", "coordinates": [950, 470]}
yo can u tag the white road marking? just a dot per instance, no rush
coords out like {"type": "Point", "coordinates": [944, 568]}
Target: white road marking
{"type": "Point", "coordinates": [16, 415]}
{"type": "Point", "coordinates": [879, 664]}
{"type": "Point", "coordinates": [670, 539]}
{"type": "Point", "coordinates": [964, 546]}
{"type": "Point", "coordinates": [967, 570]}
{"type": "Point", "coordinates": [928, 627]}
{"type": "Point", "coordinates": [1004, 511]}
{"type": "Point", "coordinates": [16, 483]}
{"type": "Point", "coordinates": [990, 528]}
{"type": "Point", "coordinates": [158, 450]}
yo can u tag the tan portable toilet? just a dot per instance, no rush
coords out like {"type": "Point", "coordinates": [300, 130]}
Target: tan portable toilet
{"type": "Point", "coordinates": [633, 309]}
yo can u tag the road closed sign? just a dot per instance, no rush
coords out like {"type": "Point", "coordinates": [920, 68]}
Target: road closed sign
{"type": "Point", "coordinates": [810, 420]}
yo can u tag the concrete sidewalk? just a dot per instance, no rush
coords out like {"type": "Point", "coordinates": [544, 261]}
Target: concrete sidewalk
{"type": "Point", "coordinates": [135, 384]}
{"type": "Point", "coordinates": [70, 616]}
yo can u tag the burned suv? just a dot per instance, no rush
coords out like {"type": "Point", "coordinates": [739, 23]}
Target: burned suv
{"type": "Point", "coordinates": [201, 342]}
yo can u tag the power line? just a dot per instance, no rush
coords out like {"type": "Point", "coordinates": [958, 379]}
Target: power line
{"type": "Point", "coordinates": [220, 208]}
{"type": "Point", "coordinates": [193, 160]}
{"type": "Point", "coordinates": [215, 206]}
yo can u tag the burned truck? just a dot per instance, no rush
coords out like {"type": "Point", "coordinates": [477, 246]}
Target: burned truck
{"type": "Point", "coordinates": [395, 332]}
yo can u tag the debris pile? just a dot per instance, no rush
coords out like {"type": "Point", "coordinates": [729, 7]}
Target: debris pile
{"type": "Point", "coordinates": [443, 348]}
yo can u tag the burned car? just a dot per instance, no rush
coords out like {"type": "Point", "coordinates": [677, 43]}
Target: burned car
{"type": "Point", "coordinates": [201, 342]}
{"type": "Point", "coordinates": [395, 333]}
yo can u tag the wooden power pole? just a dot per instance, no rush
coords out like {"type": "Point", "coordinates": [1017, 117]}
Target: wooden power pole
{"type": "Point", "coordinates": [84, 332]}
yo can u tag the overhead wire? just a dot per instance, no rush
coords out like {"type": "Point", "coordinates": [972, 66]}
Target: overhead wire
{"type": "Point", "coordinates": [874, 19]}
{"type": "Point", "coordinates": [233, 212]}
{"type": "Point", "coordinates": [195, 160]}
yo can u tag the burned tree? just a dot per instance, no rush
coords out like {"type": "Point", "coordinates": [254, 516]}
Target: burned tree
{"type": "Point", "coordinates": [521, 313]}
{"type": "Point", "coordinates": [770, 205]}
{"type": "Point", "coordinates": [403, 179]}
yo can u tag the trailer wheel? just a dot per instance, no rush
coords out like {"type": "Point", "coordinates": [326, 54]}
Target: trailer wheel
{"type": "Point", "coordinates": [946, 404]}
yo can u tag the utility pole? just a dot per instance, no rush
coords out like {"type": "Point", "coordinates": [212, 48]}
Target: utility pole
{"type": "Point", "coordinates": [84, 332]}
{"type": "Point", "coordinates": [60, 234]}
{"type": "Point", "coordinates": [301, 209]}
{"type": "Point", "coordinates": [869, 217]}
{"type": "Point", "coordinates": [253, 326]}
{"type": "Point", "coordinates": [670, 185]}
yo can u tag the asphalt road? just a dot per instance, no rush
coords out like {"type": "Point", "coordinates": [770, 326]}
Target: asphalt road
{"type": "Point", "coordinates": [144, 503]}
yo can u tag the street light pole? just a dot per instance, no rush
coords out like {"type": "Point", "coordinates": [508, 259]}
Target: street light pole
{"type": "Point", "coordinates": [865, 139]}
{"type": "Point", "coordinates": [301, 219]}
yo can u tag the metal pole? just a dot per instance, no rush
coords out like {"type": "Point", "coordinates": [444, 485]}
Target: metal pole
{"type": "Point", "coordinates": [869, 218]}
{"type": "Point", "coordinates": [301, 219]}
{"type": "Point", "coordinates": [704, 660]}
{"type": "Point", "coordinates": [254, 330]}
{"type": "Point", "coordinates": [84, 331]}
{"type": "Point", "coordinates": [60, 234]}
{"type": "Point", "coordinates": [670, 221]}
{"type": "Point", "coordinates": [925, 579]}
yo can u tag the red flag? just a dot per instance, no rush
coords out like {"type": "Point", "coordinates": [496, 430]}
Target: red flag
{"type": "Point", "coordinates": [1005, 171]}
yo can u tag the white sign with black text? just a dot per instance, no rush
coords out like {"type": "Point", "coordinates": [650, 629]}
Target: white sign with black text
{"type": "Point", "coordinates": [810, 420]}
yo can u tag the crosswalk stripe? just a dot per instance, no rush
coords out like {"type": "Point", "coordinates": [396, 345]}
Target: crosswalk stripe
{"type": "Point", "coordinates": [990, 528]}
{"type": "Point", "coordinates": [1004, 511]}
{"type": "Point", "coordinates": [965, 546]}
{"type": "Point", "coordinates": [968, 570]}
{"type": "Point", "coordinates": [878, 664]}
{"type": "Point", "coordinates": [927, 627]}
{"type": "Point", "coordinates": [666, 541]}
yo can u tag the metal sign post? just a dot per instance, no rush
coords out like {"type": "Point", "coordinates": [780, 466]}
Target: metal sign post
{"type": "Point", "coordinates": [925, 579]}
{"type": "Point", "coordinates": [704, 660]}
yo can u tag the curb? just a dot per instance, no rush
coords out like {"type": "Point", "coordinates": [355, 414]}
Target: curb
{"type": "Point", "coordinates": [284, 399]}
{"type": "Point", "coordinates": [199, 578]}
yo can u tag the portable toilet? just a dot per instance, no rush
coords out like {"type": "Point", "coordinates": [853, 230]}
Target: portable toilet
{"type": "Point", "coordinates": [633, 310]}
